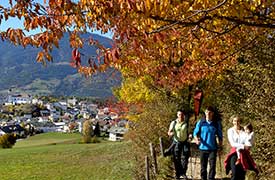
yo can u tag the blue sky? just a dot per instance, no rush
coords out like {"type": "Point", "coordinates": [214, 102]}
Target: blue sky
{"type": "Point", "coordinates": [16, 23]}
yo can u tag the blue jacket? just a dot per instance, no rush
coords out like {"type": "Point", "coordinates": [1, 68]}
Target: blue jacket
{"type": "Point", "coordinates": [208, 131]}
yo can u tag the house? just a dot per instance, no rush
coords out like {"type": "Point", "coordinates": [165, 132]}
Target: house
{"type": "Point", "coordinates": [106, 110]}
{"type": "Point", "coordinates": [72, 102]}
{"type": "Point", "coordinates": [92, 107]}
{"type": "Point", "coordinates": [100, 112]}
{"type": "Point", "coordinates": [28, 116]}
{"type": "Point", "coordinates": [37, 101]}
{"type": "Point", "coordinates": [61, 127]}
{"type": "Point", "coordinates": [47, 128]}
{"type": "Point", "coordinates": [45, 112]}
{"type": "Point", "coordinates": [2, 132]}
{"type": "Point", "coordinates": [102, 117]}
{"type": "Point", "coordinates": [43, 119]}
{"type": "Point", "coordinates": [113, 115]}
{"type": "Point", "coordinates": [116, 133]}
{"type": "Point", "coordinates": [60, 105]}
{"type": "Point", "coordinates": [85, 114]}
{"type": "Point", "coordinates": [19, 99]}
{"type": "Point", "coordinates": [19, 131]}
{"type": "Point", "coordinates": [54, 115]}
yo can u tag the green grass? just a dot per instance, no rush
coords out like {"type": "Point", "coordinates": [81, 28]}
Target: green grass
{"type": "Point", "coordinates": [59, 156]}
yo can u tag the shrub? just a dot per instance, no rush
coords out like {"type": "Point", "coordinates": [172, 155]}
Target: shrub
{"type": "Point", "coordinates": [165, 166]}
{"type": "Point", "coordinates": [94, 139]}
{"type": "Point", "coordinates": [87, 131]}
{"type": "Point", "coordinates": [7, 140]}
{"type": "Point", "coordinates": [153, 123]}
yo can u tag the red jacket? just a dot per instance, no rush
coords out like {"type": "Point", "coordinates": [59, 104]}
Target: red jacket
{"type": "Point", "coordinates": [246, 159]}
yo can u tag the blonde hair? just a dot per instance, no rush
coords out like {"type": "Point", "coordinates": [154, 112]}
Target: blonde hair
{"type": "Point", "coordinates": [234, 117]}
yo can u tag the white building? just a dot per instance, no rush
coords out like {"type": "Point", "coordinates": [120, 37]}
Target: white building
{"type": "Point", "coordinates": [116, 133]}
{"type": "Point", "coordinates": [37, 101]}
{"type": "Point", "coordinates": [72, 102]}
{"type": "Point", "coordinates": [2, 132]}
{"type": "Point", "coordinates": [19, 99]}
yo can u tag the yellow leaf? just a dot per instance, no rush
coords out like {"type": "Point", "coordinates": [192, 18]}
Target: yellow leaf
{"type": "Point", "coordinates": [39, 57]}
{"type": "Point", "coordinates": [148, 5]}
{"type": "Point", "coordinates": [194, 54]}
{"type": "Point", "coordinates": [215, 22]}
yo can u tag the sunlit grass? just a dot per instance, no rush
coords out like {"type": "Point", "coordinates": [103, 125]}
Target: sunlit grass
{"type": "Point", "coordinates": [61, 156]}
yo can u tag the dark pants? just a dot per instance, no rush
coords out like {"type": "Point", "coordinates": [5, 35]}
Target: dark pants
{"type": "Point", "coordinates": [210, 156]}
{"type": "Point", "coordinates": [238, 172]}
{"type": "Point", "coordinates": [181, 155]}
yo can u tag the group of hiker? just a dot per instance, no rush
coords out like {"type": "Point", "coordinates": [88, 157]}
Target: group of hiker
{"type": "Point", "coordinates": [208, 136]}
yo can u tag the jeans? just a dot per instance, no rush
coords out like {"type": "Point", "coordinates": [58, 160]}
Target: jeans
{"type": "Point", "coordinates": [206, 156]}
{"type": "Point", "coordinates": [181, 155]}
{"type": "Point", "coordinates": [238, 172]}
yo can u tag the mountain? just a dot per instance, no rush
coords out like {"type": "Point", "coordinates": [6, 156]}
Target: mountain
{"type": "Point", "coordinates": [21, 73]}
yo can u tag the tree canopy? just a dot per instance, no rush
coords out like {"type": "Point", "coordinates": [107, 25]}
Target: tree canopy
{"type": "Point", "coordinates": [175, 42]}
{"type": "Point", "coordinates": [170, 45]}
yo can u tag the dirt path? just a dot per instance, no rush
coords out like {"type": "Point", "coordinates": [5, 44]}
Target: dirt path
{"type": "Point", "coordinates": [194, 167]}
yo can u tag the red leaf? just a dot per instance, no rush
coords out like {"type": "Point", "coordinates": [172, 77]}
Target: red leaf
{"type": "Point", "coordinates": [76, 56]}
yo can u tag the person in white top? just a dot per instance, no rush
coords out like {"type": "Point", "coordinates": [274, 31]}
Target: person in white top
{"type": "Point", "coordinates": [236, 138]}
{"type": "Point", "coordinates": [240, 141]}
{"type": "Point", "coordinates": [250, 137]}
{"type": "Point", "coordinates": [236, 135]}
{"type": "Point", "coordinates": [248, 140]}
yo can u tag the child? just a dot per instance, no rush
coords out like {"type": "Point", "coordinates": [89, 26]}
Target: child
{"type": "Point", "coordinates": [248, 139]}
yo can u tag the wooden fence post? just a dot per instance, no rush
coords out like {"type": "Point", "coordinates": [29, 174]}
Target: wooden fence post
{"type": "Point", "coordinates": [147, 175]}
{"type": "Point", "coordinates": [161, 147]}
{"type": "Point", "coordinates": [154, 158]}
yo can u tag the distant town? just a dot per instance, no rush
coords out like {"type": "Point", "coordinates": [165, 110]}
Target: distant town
{"type": "Point", "coordinates": [25, 115]}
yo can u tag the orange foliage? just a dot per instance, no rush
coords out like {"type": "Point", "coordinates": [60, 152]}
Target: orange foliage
{"type": "Point", "coordinates": [175, 42]}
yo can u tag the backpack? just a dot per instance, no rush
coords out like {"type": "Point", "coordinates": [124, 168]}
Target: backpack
{"type": "Point", "coordinates": [187, 125]}
{"type": "Point", "coordinates": [170, 149]}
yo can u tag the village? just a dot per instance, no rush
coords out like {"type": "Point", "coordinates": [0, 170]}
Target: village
{"type": "Point", "coordinates": [64, 116]}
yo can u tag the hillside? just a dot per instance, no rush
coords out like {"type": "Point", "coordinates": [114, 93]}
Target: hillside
{"type": "Point", "coordinates": [21, 72]}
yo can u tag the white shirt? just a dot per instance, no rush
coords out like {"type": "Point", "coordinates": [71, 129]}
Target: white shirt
{"type": "Point", "coordinates": [236, 139]}
{"type": "Point", "coordinates": [249, 139]}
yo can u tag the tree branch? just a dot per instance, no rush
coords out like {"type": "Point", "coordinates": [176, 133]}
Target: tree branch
{"type": "Point", "coordinates": [246, 23]}
{"type": "Point", "coordinates": [212, 8]}
{"type": "Point", "coordinates": [182, 22]}
{"type": "Point", "coordinates": [174, 22]}
{"type": "Point", "coordinates": [222, 32]}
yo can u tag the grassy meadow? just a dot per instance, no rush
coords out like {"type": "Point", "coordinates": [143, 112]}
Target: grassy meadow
{"type": "Point", "coordinates": [60, 156]}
